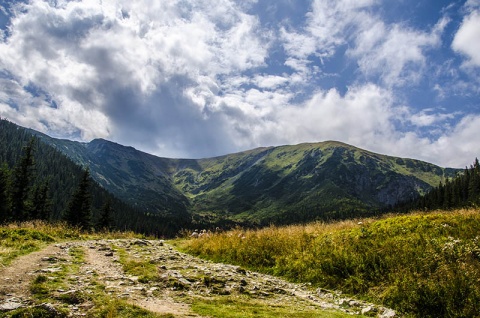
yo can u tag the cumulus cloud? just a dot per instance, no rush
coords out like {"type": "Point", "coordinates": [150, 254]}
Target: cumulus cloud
{"type": "Point", "coordinates": [467, 41]}
{"type": "Point", "coordinates": [455, 147]}
{"type": "Point", "coordinates": [186, 78]}
{"type": "Point", "coordinates": [393, 52]}
{"type": "Point", "coordinates": [358, 117]}
{"type": "Point", "coordinates": [133, 63]}
{"type": "Point", "coordinates": [429, 117]}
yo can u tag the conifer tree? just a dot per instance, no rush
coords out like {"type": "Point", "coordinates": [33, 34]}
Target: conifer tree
{"type": "Point", "coordinates": [3, 194]}
{"type": "Point", "coordinates": [474, 184]}
{"type": "Point", "coordinates": [105, 221]}
{"type": "Point", "coordinates": [41, 204]}
{"type": "Point", "coordinates": [79, 212]}
{"type": "Point", "coordinates": [21, 183]}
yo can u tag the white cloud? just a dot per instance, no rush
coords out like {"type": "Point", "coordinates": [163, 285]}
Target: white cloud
{"type": "Point", "coordinates": [359, 117]}
{"type": "Point", "coordinates": [270, 81]}
{"type": "Point", "coordinates": [428, 117]}
{"type": "Point", "coordinates": [125, 65]}
{"type": "Point", "coordinates": [457, 147]}
{"type": "Point", "coordinates": [325, 28]}
{"type": "Point", "coordinates": [467, 41]}
{"type": "Point", "coordinates": [36, 112]}
{"type": "Point", "coordinates": [395, 53]}
{"type": "Point", "coordinates": [190, 78]}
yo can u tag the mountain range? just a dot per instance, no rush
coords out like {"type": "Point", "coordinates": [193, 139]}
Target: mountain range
{"type": "Point", "coordinates": [280, 185]}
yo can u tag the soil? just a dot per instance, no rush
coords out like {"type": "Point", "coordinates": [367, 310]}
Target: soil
{"type": "Point", "coordinates": [180, 280]}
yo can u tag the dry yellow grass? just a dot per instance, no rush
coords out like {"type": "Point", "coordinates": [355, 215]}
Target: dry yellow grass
{"type": "Point", "coordinates": [421, 263]}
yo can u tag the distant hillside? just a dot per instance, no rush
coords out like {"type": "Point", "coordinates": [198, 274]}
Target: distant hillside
{"type": "Point", "coordinates": [139, 179]}
{"type": "Point", "coordinates": [327, 180]}
{"type": "Point", "coordinates": [63, 175]}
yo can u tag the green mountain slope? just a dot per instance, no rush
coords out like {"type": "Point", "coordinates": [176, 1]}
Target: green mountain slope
{"type": "Point", "coordinates": [327, 180]}
{"type": "Point", "coordinates": [300, 183]}
{"type": "Point", "coordinates": [139, 179]}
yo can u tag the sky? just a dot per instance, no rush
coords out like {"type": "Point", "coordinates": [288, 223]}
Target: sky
{"type": "Point", "coordinates": [198, 78]}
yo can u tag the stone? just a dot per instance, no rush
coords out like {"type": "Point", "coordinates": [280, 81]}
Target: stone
{"type": "Point", "coordinates": [51, 259]}
{"type": "Point", "coordinates": [50, 270]}
{"type": "Point", "coordinates": [141, 242]}
{"type": "Point", "coordinates": [369, 310]}
{"type": "Point", "coordinates": [387, 313]}
{"type": "Point", "coordinates": [11, 304]}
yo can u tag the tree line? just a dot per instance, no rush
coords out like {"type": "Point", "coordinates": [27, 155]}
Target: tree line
{"type": "Point", "coordinates": [25, 196]}
{"type": "Point", "coordinates": [460, 191]}
{"type": "Point", "coordinates": [37, 181]}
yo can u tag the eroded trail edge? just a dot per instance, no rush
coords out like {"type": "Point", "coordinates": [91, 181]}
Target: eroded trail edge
{"type": "Point", "coordinates": [176, 282]}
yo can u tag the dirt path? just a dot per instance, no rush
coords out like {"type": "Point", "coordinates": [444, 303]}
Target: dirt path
{"type": "Point", "coordinates": [100, 259]}
{"type": "Point", "coordinates": [179, 281]}
{"type": "Point", "coordinates": [15, 279]}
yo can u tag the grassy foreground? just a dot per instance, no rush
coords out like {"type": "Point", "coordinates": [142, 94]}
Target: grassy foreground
{"type": "Point", "coordinates": [23, 238]}
{"type": "Point", "coordinates": [422, 264]}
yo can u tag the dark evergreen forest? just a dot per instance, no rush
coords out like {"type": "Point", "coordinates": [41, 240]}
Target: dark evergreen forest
{"type": "Point", "coordinates": [458, 192]}
{"type": "Point", "coordinates": [39, 182]}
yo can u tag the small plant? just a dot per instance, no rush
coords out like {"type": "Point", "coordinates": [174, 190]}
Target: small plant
{"type": "Point", "coordinates": [145, 270]}
{"type": "Point", "coordinates": [38, 287]}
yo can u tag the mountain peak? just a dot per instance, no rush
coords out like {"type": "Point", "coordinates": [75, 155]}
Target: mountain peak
{"type": "Point", "coordinates": [285, 184]}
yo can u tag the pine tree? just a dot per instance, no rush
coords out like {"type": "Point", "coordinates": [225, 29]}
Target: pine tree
{"type": "Point", "coordinates": [21, 183]}
{"type": "Point", "coordinates": [79, 212]}
{"type": "Point", "coordinates": [105, 221]}
{"type": "Point", "coordinates": [474, 184]}
{"type": "Point", "coordinates": [440, 196]}
{"type": "Point", "coordinates": [41, 204]}
{"type": "Point", "coordinates": [3, 194]}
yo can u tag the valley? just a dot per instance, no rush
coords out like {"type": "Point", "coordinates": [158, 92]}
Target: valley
{"type": "Point", "coordinates": [280, 185]}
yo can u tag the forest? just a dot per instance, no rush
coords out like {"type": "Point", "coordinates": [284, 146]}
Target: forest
{"type": "Point", "coordinates": [39, 182]}
{"type": "Point", "coordinates": [458, 192]}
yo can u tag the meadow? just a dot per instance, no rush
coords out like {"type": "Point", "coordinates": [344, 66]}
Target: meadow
{"type": "Point", "coordinates": [420, 264]}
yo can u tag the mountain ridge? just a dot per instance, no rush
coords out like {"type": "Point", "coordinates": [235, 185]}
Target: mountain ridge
{"type": "Point", "coordinates": [275, 184]}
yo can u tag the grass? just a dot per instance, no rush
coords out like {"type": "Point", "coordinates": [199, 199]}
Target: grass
{"type": "Point", "coordinates": [421, 264]}
{"type": "Point", "coordinates": [23, 238]}
{"type": "Point", "coordinates": [226, 307]}
{"type": "Point", "coordinates": [145, 270]}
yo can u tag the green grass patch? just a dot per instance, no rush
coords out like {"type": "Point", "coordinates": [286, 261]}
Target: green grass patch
{"type": "Point", "coordinates": [235, 308]}
{"type": "Point", "coordinates": [421, 264]}
{"type": "Point", "coordinates": [145, 270]}
{"type": "Point", "coordinates": [110, 308]}
{"type": "Point", "coordinates": [40, 311]}
{"type": "Point", "coordinates": [23, 238]}
{"type": "Point", "coordinates": [20, 239]}
{"type": "Point", "coordinates": [43, 287]}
